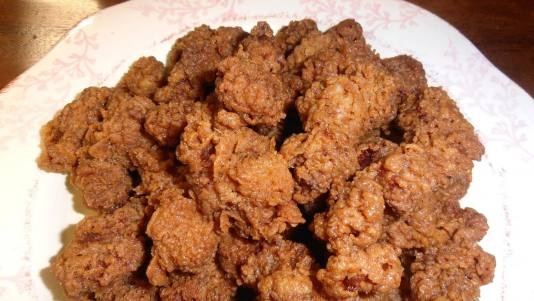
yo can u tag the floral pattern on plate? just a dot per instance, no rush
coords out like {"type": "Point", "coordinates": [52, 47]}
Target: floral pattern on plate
{"type": "Point", "coordinates": [38, 210]}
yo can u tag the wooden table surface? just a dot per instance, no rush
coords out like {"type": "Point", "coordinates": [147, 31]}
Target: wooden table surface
{"type": "Point", "coordinates": [502, 29]}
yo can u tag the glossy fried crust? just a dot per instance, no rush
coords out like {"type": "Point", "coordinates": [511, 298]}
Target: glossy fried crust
{"type": "Point", "coordinates": [295, 165]}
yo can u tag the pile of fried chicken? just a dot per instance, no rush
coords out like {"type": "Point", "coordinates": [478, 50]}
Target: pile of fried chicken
{"type": "Point", "coordinates": [289, 166]}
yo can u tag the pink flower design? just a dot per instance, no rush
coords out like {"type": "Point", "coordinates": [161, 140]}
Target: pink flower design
{"type": "Point", "coordinates": [379, 18]}
{"type": "Point", "coordinates": [76, 65]}
{"type": "Point", "coordinates": [497, 100]}
{"type": "Point", "coordinates": [509, 130]}
{"type": "Point", "coordinates": [49, 87]}
{"type": "Point", "coordinates": [370, 13]}
{"type": "Point", "coordinates": [184, 12]}
{"type": "Point", "coordinates": [327, 12]}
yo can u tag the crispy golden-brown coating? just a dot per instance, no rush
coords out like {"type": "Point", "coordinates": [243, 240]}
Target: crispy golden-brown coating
{"type": "Point", "coordinates": [278, 255]}
{"type": "Point", "coordinates": [452, 272]}
{"type": "Point", "coordinates": [156, 172]}
{"type": "Point", "coordinates": [353, 105]}
{"type": "Point", "coordinates": [129, 289]}
{"type": "Point", "coordinates": [104, 185]}
{"type": "Point", "coordinates": [355, 216]}
{"type": "Point", "coordinates": [121, 129]}
{"type": "Point", "coordinates": [106, 249]}
{"type": "Point", "coordinates": [64, 135]}
{"type": "Point", "coordinates": [280, 271]}
{"type": "Point", "coordinates": [316, 159]}
{"type": "Point", "coordinates": [193, 60]}
{"type": "Point", "coordinates": [144, 77]}
{"type": "Point", "coordinates": [182, 238]}
{"type": "Point", "coordinates": [260, 44]}
{"type": "Point", "coordinates": [210, 284]}
{"type": "Point", "coordinates": [412, 175]}
{"type": "Point", "coordinates": [103, 164]}
{"type": "Point", "coordinates": [251, 82]}
{"type": "Point", "coordinates": [338, 51]}
{"type": "Point", "coordinates": [166, 122]}
{"type": "Point", "coordinates": [237, 176]}
{"type": "Point", "coordinates": [288, 37]}
{"type": "Point", "coordinates": [233, 252]}
{"type": "Point", "coordinates": [295, 165]}
{"type": "Point", "coordinates": [408, 73]}
{"type": "Point", "coordinates": [431, 225]}
{"type": "Point", "coordinates": [336, 113]}
{"type": "Point", "coordinates": [436, 119]}
{"type": "Point", "coordinates": [254, 185]}
{"type": "Point", "coordinates": [374, 269]}
{"type": "Point", "coordinates": [248, 88]}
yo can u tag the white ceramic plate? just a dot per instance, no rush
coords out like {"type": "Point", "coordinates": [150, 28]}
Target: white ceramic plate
{"type": "Point", "coordinates": [37, 211]}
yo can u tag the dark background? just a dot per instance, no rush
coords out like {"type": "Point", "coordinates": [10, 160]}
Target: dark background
{"type": "Point", "coordinates": [502, 29]}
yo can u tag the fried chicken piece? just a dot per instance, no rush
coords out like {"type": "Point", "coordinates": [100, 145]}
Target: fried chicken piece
{"type": "Point", "coordinates": [409, 77]}
{"type": "Point", "coordinates": [209, 284]}
{"type": "Point", "coordinates": [352, 225]}
{"type": "Point", "coordinates": [367, 152]}
{"type": "Point", "coordinates": [347, 33]}
{"type": "Point", "coordinates": [451, 272]}
{"type": "Point", "coordinates": [316, 159]}
{"type": "Point", "coordinates": [322, 157]}
{"type": "Point", "coordinates": [355, 216]}
{"type": "Point", "coordinates": [352, 105]}
{"type": "Point", "coordinates": [432, 224]}
{"type": "Point", "coordinates": [106, 249]}
{"type": "Point", "coordinates": [233, 252]}
{"type": "Point", "coordinates": [64, 135]}
{"type": "Point", "coordinates": [277, 255]}
{"type": "Point", "coordinates": [411, 174]}
{"type": "Point", "coordinates": [474, 226]}
{"type": "Point", "coordinates": [248, 88]}
{"type": "Point", "coordinates": [196, 151]}
{"type": "Point", "coordinates": [144, 77]}
{"type": "Point", "coordinates": [104, 185]}
{"type": "Point", "coordinates": [372, 150]}
{"type": "Point", "coordinates": [335, 52]}
{"type": "Point", "coordinates": [280, 270]}
{"type": "Point", "coordinates": [193, 61]}
{"type": "Point", "coordinates": [254, 186]}
{"type": "Point", "coordinates": [421, 187]}
{"type": "Point", "coordinates": [286, 285]}
{"type": "Point", "coordinates": [336, 114]}
{"type": "Point", "coordinates": [166, 122]}
{"type": "Point", "coordinates": [121, 129]}
{"type": "Point", "coordinates": [261, 45]}
{"type": "Point", "coordinates": [375, 269]}
{"type": "Point", "coordinates": [130, 289]}
{"type": "Point", "coordinates": [251, 83]}
{"type": "Point", "coordinates": [237, 176]}
{"type": "Point", "coordinates": [196, 144]}
{"type": "Point", "coordinates": [436, 117]}
{"type": "Point", "coordinates": [289, 36]}
{"type": "Point", "coordinates": [102, 172]}
{"type": "Point", "coordinates": [155, 172]}
{"type": "Point", "coordinates": [182, 238]}
{"type": "Point", "coordinates": [176, 93]}
{"type": "Point", "coordinates": [219, 42]}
